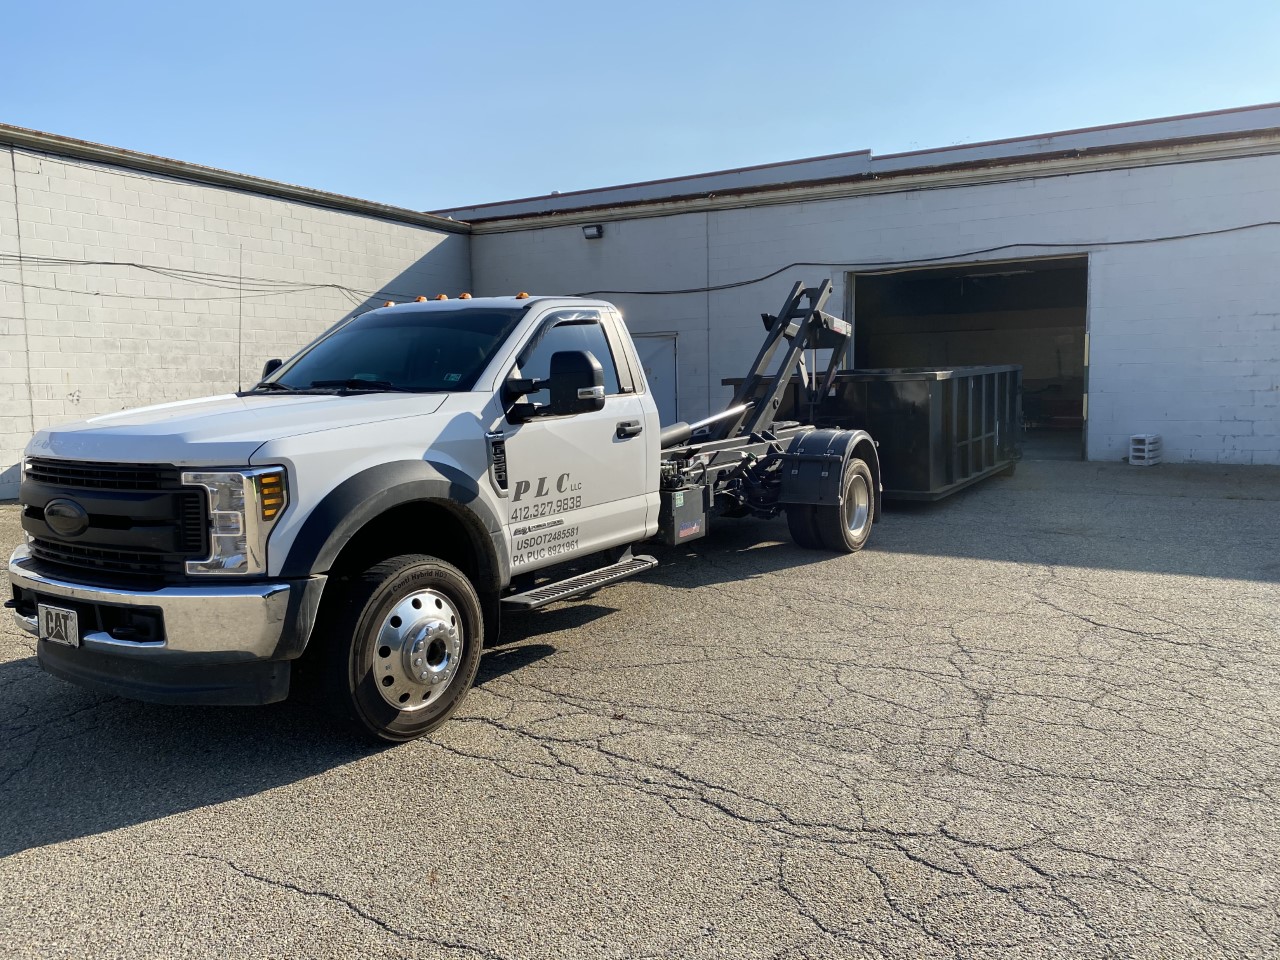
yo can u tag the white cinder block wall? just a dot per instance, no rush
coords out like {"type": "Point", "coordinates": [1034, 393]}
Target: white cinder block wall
{"type": "Point", "coordinates": [1184, 334]}
{"type": "Point", "coordinates": [15, 396]}
{"type": "Point", "coordinates": [79, 339]}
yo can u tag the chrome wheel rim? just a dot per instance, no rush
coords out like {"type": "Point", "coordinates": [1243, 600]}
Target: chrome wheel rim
{"type": "Point", "coordinates": [857, 506]}
{"type": "Point", "coordinates": [418, 651]}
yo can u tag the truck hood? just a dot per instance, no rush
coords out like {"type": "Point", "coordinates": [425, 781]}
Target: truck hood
{"type": "Point", "coordinates": [220, 430]}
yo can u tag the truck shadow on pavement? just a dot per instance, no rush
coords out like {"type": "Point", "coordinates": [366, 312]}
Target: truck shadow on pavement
{"type": "Point", "coordinates": [734, 550]}
{"type": "Point", "coordinates": [1196, 520]}
{"type": "Point", "coordinates": [74, 763]}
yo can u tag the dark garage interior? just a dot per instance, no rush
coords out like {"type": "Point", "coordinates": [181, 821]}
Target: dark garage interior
{"type": "Point", "coordinates": [1029, 312]}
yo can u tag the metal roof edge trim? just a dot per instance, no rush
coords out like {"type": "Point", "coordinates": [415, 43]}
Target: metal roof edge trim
{"type": "Point", "coordinates": [692, 178]}
{"type": "Point", "coordinates": [50, 143]}
{"type": "Point", "coordinates": [1099, 128]}
{"type": "Point", "coordinates": [476, 210]}
{"type": "Point", "coordinates": [1226, 146]}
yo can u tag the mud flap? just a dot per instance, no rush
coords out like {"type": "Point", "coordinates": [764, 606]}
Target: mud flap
{"type": "Point", "coordinates": [813, 468]}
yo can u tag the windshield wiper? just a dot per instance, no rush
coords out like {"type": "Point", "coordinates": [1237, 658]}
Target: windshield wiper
{"type": "Point", "coordinates": [270, 385]}
{"type": "Point", "coordinates": [355, 383]}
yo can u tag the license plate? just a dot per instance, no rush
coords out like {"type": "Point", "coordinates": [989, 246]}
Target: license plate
{"type": "Point", "coordinates": [58, 625]}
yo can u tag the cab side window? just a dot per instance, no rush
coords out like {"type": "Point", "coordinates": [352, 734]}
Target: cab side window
{"type": "Point", "coordinates": [569, 334]}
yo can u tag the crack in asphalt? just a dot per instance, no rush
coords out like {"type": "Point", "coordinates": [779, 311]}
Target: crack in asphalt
{"type": "Point", "coordinates": [351, 906]}
{"type": "Point", "coordinates": [1127, 708]}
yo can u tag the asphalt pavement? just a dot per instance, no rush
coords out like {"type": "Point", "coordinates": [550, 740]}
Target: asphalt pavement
{"type": "Point", "coordinates": [1039, 719]}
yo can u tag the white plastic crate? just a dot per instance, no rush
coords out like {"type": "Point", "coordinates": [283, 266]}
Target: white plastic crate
{"type": "Point", "coordinates": [1145, 449]}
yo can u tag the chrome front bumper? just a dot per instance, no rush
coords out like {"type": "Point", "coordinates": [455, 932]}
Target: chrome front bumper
{"type": "Point", "coordinates": [221, 621]}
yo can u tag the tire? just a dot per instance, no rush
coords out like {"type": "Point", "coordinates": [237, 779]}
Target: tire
{"type": "Point", "coordinates": [846, 528]}
{"type": "Point", "coordinates": [802, 521]}
{"type": "Point", "coordinates": [403, 648]}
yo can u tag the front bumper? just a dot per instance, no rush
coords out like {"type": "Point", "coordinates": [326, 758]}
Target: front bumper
{"type": "Point", "coordinates": [227, 643]}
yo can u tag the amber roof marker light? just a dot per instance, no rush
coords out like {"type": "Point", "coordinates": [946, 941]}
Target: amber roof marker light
{"type": "Point", "coordinates": [464, 296]}
{"type": "Point", "coordinates": [522, 295]}
{"type": "Point", "coordinates": [420, 300]}
{"type": "Point", "coordinates": [440, 296]}
{"type": "Point", "coordinates": [389, 303]}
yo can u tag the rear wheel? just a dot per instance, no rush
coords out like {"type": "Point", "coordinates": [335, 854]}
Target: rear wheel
{"type": "Point", "coordinates": [802, 521]}
{"type": "Point", "coordinates": [846, 527]}
{"type": "Point", "coordinates": [404, 648]}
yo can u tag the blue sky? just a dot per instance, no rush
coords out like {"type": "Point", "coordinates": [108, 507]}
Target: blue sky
{"type": "Point", "coordinates": [428, 105]}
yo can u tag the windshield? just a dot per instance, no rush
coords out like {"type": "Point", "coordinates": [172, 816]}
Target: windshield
{"type": "Point", "coordinates": [417, 350]}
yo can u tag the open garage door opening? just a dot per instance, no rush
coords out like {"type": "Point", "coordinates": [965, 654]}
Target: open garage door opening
{"type": "Point", "coordinates": [1029, 312]}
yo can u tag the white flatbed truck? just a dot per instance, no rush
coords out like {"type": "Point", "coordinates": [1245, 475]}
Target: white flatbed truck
{"type": "Point", "coordinates": [368, 509]}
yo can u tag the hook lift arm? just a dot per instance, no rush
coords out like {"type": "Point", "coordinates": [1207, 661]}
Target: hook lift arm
{"type": "Point", "coordinates": [742, 461]}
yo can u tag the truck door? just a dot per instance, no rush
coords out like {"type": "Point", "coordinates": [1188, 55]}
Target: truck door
{"type": "Point", "coordinates": [576, 484]}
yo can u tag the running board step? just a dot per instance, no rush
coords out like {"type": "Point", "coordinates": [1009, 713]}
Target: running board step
{"type": "Point", "coordinates": [576, 586]}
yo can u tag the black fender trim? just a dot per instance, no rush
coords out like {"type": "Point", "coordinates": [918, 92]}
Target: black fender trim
{"type": "Point", "coordinates": [369, 494]}
{"type": "Point", "coordinates": [299, 617]}
{"type": "Point", "coordinates": [813, 466]}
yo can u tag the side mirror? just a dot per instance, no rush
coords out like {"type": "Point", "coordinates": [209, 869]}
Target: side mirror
{"type": "Point", "coordinates": [270, 367]}
{"type": "Point", "coordinates": [576, 383]}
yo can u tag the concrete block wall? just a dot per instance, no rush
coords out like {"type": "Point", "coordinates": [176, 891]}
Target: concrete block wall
{"type": "Point", "coordinates": [15, 395]}
{"type": "Point", "coordinates": [1187, 344]}
{"type": "Point", "coordinates": [1184, 334]}
{"type": "Point", "coordinates": [174, 289]}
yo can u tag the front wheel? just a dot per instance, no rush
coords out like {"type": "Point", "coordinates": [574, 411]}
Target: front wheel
{"type": "Point", "coordinates": [405, 647]}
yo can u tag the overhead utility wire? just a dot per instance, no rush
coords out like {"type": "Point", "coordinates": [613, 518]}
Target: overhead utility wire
{"type": "Point", "coordinates": [907, 264]}
{"type": "Point", "coordinates": [254, 286]}
{"type": "Point", "coordinates": [267, 286]}
{"type": "Point", "coordinates": [138, 296]}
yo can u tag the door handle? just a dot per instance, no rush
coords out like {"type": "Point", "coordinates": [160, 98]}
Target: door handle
{"type": "Point", "coordinates": [629, 428]}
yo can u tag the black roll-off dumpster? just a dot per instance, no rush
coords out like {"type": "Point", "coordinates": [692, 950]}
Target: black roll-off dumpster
{"type": "Point", "coordinates": [938, 430]}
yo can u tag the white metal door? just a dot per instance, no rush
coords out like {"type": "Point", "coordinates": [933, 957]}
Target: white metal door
{"type": "Point", "coordinates": [577, 484]}
{"type": "Point", "coordinates": [657, 352]}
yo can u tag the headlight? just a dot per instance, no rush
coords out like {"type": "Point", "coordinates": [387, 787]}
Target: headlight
{"type": "Point", "coordinates": [244, 506]}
